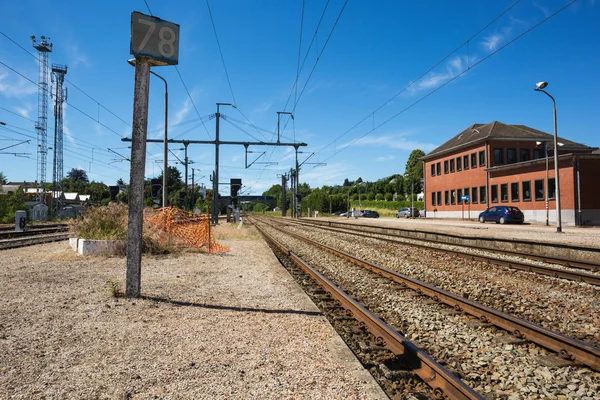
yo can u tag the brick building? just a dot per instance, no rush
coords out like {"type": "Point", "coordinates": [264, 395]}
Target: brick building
{"type": "Point", "coordinates": [500, 164]}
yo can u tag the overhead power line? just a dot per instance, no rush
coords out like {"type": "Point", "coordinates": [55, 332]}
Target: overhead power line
{"type": "Point", "coordinates": [451, 79]}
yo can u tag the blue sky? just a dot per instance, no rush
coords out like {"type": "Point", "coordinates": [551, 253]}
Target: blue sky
{"type": "Point", "coordinates": [366, 96]}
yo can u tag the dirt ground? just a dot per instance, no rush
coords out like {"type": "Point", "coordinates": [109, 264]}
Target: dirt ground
{"type": "Point", "coordinates": [225, 326]}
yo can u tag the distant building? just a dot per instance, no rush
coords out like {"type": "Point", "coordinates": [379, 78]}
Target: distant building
{"type": "Point", "coordinates": [500, 164]}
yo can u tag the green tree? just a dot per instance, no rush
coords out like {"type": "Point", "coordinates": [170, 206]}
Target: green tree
{"type": "Point", "coordinates": [414, 172]}
{"type": "Point", "coordinates": [174, 181]}
{"type": "Point", "coordinates": [2, 178]}
{"type": "Point", "coordinates": [10, 204]}
{"type": "Point", "coordinates": [77, 175]}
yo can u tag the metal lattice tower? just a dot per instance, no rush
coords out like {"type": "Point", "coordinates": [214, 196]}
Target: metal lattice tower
{"type": "Point", "coordinates": [43, 47]}
{"type": "Point", "coordinates": [60, 96]}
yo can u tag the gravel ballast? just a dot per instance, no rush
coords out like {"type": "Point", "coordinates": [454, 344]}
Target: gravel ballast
{"type": "Point", "coordinates": [209, 326]}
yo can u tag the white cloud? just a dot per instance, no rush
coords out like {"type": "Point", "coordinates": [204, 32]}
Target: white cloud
{"type": "Point", "coordinates": [262, 108]}
{"type": "Point", "coordinates": [182, 112]}
{"type": "Point", "coordinates": [491, 42]}
{"type": "Point", "coordinates": [385, 158]}
{"type": "Point", "coordinates": [77, 56]}
{"type": "Point", "coordinates": [453, 67]}
{"type": "Point", "coordinates": [544, 10]}
{"type": "Point", "coordinates": [16, 86]}
{"type": "Point", "coordinates": [24, 111]}
{"type": "Point", "coordinates": [397, 142]}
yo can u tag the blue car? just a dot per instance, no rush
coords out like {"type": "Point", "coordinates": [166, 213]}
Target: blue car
{"type": "Point", "coordinates": [502, 215]}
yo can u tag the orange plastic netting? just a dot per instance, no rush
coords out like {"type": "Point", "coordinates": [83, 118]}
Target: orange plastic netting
{"type": "Point", "coordinates": [193, 229]}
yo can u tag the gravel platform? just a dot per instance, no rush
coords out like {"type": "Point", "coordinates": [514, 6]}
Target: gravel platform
{"type": "Point", "coordinates": [232, 326]}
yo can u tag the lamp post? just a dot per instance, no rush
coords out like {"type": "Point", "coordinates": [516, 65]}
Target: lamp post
{"type": "Point", "coordinates": [166, 145]}
{"type": "Point", "coordinates": [539, 88]}
{"type": "Point", "coordinates": [215, 199]}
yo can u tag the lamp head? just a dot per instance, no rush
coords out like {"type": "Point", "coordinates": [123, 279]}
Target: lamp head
{"type": "Point", "coordinates": [538, 143]}
{"type": "Point", "coordinates": [131, 62]}
{"type": "Point", "coordinates": [541, 85]}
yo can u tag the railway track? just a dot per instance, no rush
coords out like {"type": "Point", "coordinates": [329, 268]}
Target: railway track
{"type": "Point", "coordinates": [569, 262]}
{"type": "Point", "coordinates": [524, 331]}
{"type": "Point", "coordinates": [380, 346]}
{"type": "Point", "coordinates": [519, 261]}
{"type": "Point", "coordinates": [33, 231]}
{"type": "Point", "coordinates": [12, 239]}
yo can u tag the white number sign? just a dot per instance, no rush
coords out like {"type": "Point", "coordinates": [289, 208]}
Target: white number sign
{"type": "Point", "coordinates": [154, 38]}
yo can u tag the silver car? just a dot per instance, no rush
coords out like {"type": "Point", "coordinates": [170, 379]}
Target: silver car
{"type": "Point", "coordinates": [406, 212]}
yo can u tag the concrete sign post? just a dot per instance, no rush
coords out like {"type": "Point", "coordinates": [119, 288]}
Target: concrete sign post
{"type": "Point", "coordinates": [136, 180]}
{"type": "Point", "coordinates": [153, 42]}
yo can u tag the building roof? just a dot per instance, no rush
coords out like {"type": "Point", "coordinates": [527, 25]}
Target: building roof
{"type": "Point", "coordinates": [479, 133]}
{"type": "Point", "coordinates": [9, 188]}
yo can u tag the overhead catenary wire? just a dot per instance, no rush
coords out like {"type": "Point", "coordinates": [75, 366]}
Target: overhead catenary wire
{"type": "Point", "coordinates": [466, 42]}
{"type": "Point", "coordinates": [451, 79]}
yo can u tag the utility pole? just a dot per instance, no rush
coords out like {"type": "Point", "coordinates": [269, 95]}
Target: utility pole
{"type": "Point", "coordinates": [215, 214]}
{"type": "Point", "coordinates": [186, 174]}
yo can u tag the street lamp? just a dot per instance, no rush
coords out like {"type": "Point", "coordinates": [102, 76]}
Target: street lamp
{"type": "Point", "coordinates": [166, 145]}
{"type": "Point", "coordinates": [539, 88]}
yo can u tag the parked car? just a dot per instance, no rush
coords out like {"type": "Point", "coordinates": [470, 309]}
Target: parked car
{"type": "Point", "coordinates": [407, 212]}
{"type": "Point", "coordinates": [502, 214]}
{"type": "Point", "coordinates": [344, 214]}
{"type": "Point", "coordinates": [369, 214]}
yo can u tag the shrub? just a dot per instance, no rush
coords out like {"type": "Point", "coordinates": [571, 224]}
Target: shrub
{"type": "Point", "coordinates": [102, 223]}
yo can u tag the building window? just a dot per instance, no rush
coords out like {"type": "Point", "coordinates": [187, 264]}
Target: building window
{"type": "Point", "coordinates": [452, 165]}
{"type": "Point", "coordinates": [438, 168]}
{"type": "Point", "coordinates": [482, 194]}
{"type": "Point", "coordinates": [526, 191]}
{"type": "Point", "coordinates": [474, 160]}
{"type": "Point", "coordinates": [514, 191]}
{"type": "Point", "coordinates": [538, 153]}
{"type": "Point", "coordinates": [446, 166]}
{"type": "Point", "coordinates": [433, 199]}
{"type": "Point", "coordinates": [525, 154]}
{"type": "Point", "coordinates": [494, 193]}
{"type": "Point", "coordinates": [504, 192]}
{"type": "Point", "coordinates": [474, 196]}
{"type": "Point", "coordinates": [439, 198]}
{"type": "Point", "coordinates": [551, 188]}
{"type": "Point", "coordinates": [459, 164]}
{"type": "Point", "coordinates": [466, 162]}
{"type": "Point", "coordinates": [459, 196]}
{"type": "Point", "coordinates": [446, 198]}
{"type": "Point", "coordinates": [539, 190]}
{"type": "Point", "coordinates": [511, 156]}
{"type": "Point", "coordinates": [432, 169]}
{"type": "Point", "coordinates": [453, 197]}
{"type": "Point", "coordinates": [467, 194]}
{"type": "Point", "coordinates": [482, 158]}
{"type": "Point", "coordinates": [498, 156]}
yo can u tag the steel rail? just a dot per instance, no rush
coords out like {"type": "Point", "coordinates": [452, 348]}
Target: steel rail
{"type": "Point", "coordinates": [579, 276]}
{"type": "Point", "coordinates": [397, 232]}
{"type": "Point", "coordinates": [30, 227]}
{"type": "Point", "coordinates": [435, 375]}
{"type": "Point", "coordinates": [32, 240]}
{"type": "Point", "coordinates": [567, 348]}
{"type": "Point", "coordinates": [29, 233]}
